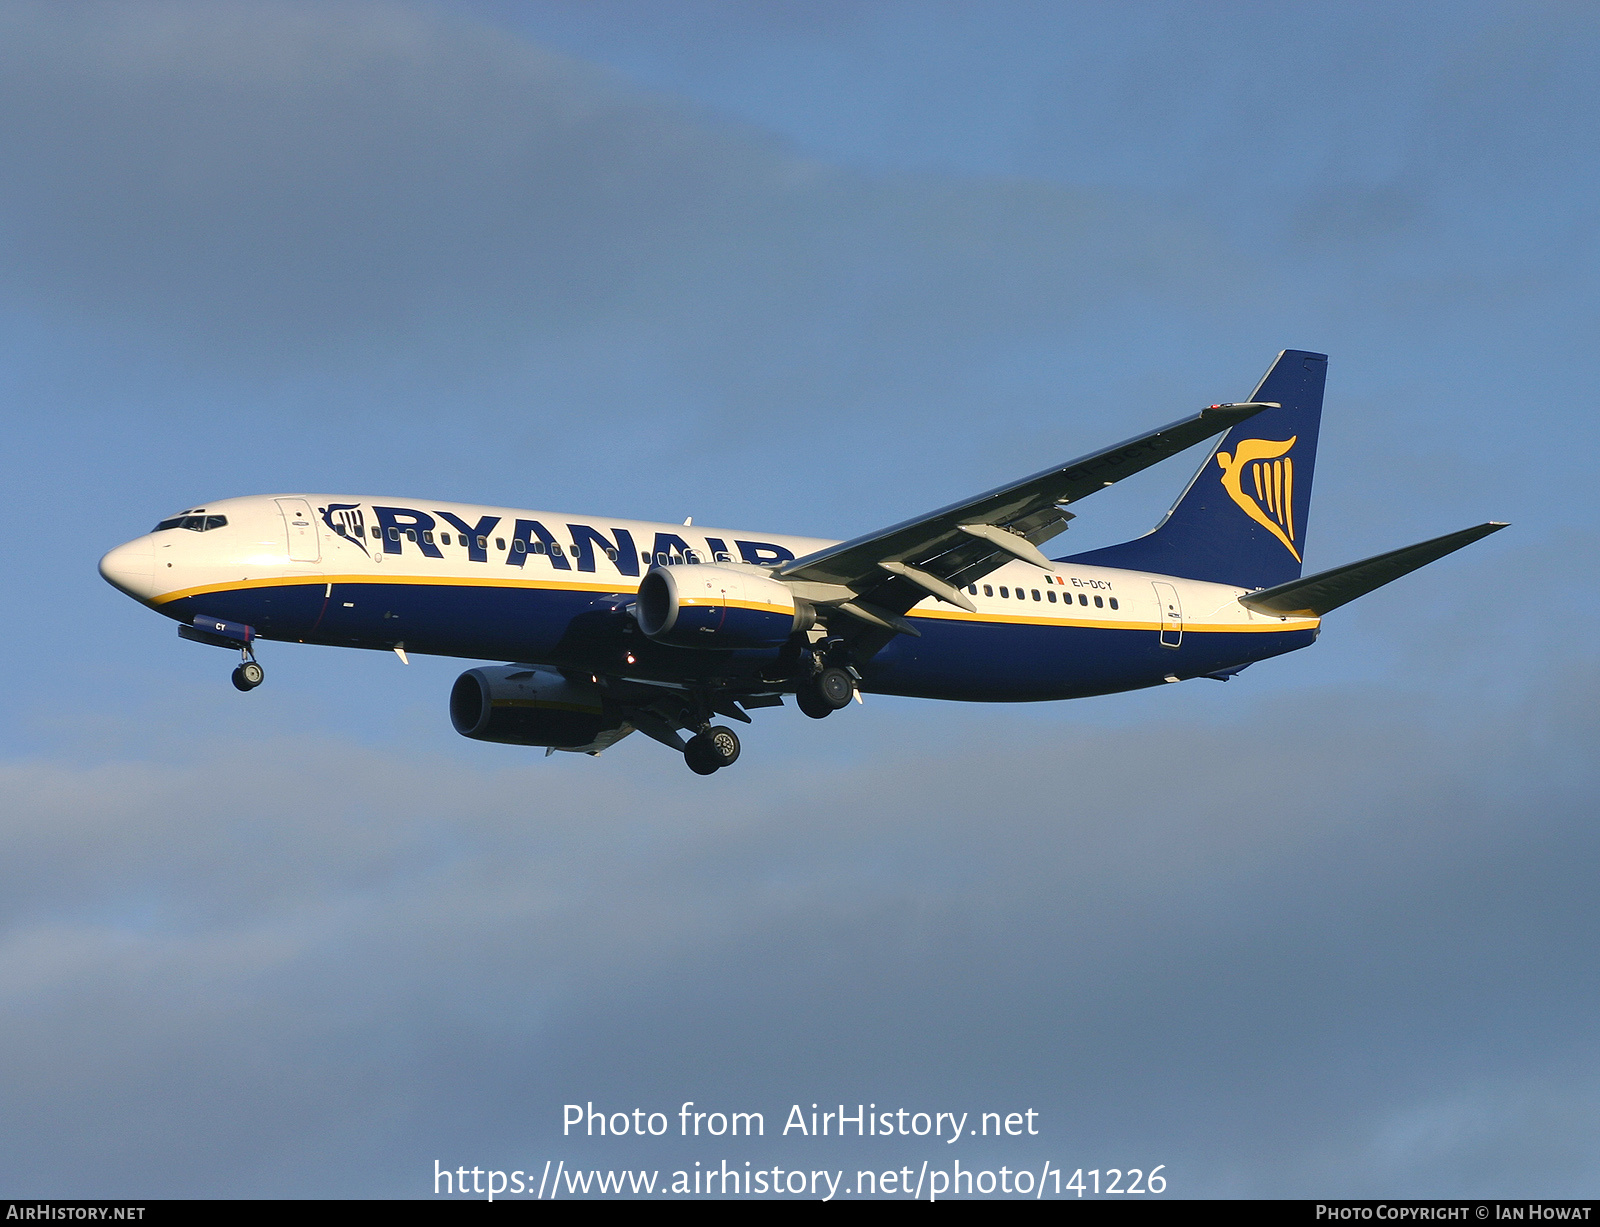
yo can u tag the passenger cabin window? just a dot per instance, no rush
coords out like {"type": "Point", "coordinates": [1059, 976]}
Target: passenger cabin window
{"type": "Point", "coordinates": [376, 532]}
{"type": "Point", "coordinates": [1099, 604]}
{"type": "Point", "coordinates": [394, 534]}
{"type": "Point", "coordinates": [519, 545]}
{"type": "Point", "coordinates": [1113, 602]}
{"type": "Point", "coordinates": [444, 538]}
{"type": "Point", "coordinates": [1004, 591]}
{"type": "Point", "coordinates": [1082, 600]}
{"type": "Point", "coordinates": [1052, 595]}
{"type": "Point", "coordinates": [483, 543]}
{"type": "Point", "coordinates": [499, 543]}
{"type": "Point", "coordinates": [988, 590]}
{"type": "Point", "coordinates": [427, 538]}
{"type": "Point", "coordinates": [1035, 592]}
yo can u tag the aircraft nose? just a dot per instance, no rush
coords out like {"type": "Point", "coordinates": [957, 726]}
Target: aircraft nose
{"type": "Point", "coordinates": [131, 568]}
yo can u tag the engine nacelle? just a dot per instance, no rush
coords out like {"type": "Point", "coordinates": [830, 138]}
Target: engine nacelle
{"type": "Point", "coordinates": [532, 707]}
{"type": "Point", "coordinates": [707, 606]}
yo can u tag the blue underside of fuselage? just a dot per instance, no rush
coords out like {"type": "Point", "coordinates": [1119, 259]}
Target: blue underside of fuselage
{"type": "Point", "coordinates": [592, 631]}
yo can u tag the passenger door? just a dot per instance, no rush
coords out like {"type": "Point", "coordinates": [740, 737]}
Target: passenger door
{"type": "Point", "coordinates": [1171, 614]}
{"type": "Point", "coordinates": [301, 530]}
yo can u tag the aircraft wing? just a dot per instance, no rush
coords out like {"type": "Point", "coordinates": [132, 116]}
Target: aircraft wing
{"type": "Point", "coordinates": [877, 577]}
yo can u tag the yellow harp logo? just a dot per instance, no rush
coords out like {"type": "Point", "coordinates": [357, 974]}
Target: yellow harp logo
{"type": "Point", "coordinates": [1271, 476]}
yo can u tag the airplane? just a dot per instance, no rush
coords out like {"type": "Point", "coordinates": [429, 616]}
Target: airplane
{"type": "Point", "coordinates": [612, 626]}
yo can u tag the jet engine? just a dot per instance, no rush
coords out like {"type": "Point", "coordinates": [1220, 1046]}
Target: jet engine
{"type": "Point", "coordinates": [706, 606]}
{"type": "Point", "coordinates": [533, 707]}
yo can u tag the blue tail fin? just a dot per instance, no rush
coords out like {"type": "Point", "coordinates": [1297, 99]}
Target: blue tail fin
{"type": "Point", "coordinates": [1242, 520]}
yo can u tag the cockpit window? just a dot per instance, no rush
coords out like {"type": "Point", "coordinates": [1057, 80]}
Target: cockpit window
{"type": "Point", "coordinates": [196, 524]}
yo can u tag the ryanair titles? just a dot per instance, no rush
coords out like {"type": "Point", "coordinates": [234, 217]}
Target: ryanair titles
{"type": "Point", "coordinates": [391, 530]}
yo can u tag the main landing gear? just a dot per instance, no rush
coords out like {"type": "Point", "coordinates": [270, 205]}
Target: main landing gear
{"type": "Point", "coordinates": [715, 746]}
{"type": "Point", "coordinates": [710, 751]}
{"type": "Point", "coordinates": [826, 693]}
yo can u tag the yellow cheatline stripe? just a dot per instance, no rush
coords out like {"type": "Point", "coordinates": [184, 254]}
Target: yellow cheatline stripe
{"type": "Point", "coordinates": [452, 581]}
{"type": "Point", "coordinates": [1114, 624]}
{"type": "Point", "coordinates": [953, 615]}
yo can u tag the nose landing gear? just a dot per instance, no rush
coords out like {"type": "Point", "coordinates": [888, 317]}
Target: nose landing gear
{"type": "Point", "coordinates": [220, 633]}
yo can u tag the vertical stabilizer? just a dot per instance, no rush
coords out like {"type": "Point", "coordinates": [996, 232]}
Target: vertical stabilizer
{"type": "Point", "coordinates": [1242, 519]}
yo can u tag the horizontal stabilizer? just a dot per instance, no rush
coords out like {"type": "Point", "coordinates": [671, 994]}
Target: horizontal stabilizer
{"type": "Point", "coordinates": [1318, 594]}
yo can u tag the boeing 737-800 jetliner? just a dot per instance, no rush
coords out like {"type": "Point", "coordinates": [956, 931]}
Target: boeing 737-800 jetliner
{"type": "Point", "coordinates": [613, 626]}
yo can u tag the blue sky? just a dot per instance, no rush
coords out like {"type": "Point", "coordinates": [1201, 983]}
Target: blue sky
{"type": "Point", "coordinates": [1325, 930]}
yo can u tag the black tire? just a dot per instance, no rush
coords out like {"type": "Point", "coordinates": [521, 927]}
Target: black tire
{"type": "Point", "coordinates": [813, 704]}
{"type": "Point", "coordinates": [702, 759]}
{"type": "Point", "coordinates": [242, 679]}
{"type": "Point", "coordinates": [835, 687]}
